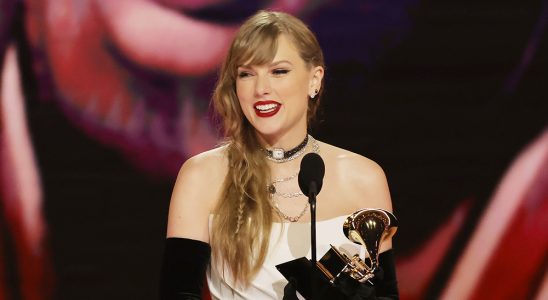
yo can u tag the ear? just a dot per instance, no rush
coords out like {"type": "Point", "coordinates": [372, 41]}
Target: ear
{"type": "Point", "coordinates": [316, 76]}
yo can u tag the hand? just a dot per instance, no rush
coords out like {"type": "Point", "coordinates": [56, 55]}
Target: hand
{"type": "Point", "coordinates": [353, 289]}
{"type": "Point", "coordinates": [290, 290]}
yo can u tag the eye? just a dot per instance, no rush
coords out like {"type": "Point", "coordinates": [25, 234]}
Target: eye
{"type": "Point", "coordinates": [280, 71]}
{"type": "Point", "coordinates": [244, 74]}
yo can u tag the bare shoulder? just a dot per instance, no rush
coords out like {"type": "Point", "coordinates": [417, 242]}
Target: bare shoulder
{"type": "Point", "coordinates": [363, 179]}
{"type": "Point", "coordinates": [358, 180]}
{"type": "Point", "coordinates": [205, 167]}
{"type": "Point", "coordinates": [196, 193]}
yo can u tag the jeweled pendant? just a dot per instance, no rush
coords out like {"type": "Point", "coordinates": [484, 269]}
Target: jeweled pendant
{"type": "Point", "coordinates": [278, 153]}
{"type": "Point", "coordinates": [271, 189]}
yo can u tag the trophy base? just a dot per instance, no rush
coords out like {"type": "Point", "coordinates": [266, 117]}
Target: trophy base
{"type": "Point", "coordinates": [310, 281]}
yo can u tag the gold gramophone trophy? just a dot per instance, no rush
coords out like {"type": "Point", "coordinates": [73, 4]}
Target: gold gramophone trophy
{"type": "Point", "coordinates": [368, 227]}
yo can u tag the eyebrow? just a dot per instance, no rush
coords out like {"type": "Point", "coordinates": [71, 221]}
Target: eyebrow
{"type": "Point", "coordinates": [280, 62]}
{"type": "Point", "coordinates": [271, 64]}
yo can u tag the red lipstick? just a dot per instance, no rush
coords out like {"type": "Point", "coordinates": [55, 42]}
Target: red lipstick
{"type": "Point", "coordinates": [265, 109]}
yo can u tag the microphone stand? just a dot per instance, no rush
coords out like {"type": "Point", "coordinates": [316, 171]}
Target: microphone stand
{"type": "Point", "coordinates": [312, 201]}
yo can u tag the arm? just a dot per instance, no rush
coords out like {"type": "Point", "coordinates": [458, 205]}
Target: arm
{"type": "Point", "coordinates": [369, 182]}
{"type": "Point", "coordinates": [367, 187]}
{"type": "Point", "coordinates": [193, 199]}
{"type": "Point", "coordinates": [187, 251]}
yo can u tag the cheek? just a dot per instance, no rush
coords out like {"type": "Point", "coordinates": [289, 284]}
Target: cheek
{"type": "Point", "coordinates": [295, 90]}
{"type": "Point", "coordinates": [242, 91]}
{"type": "Point", "coordinates": [244, 98]}
{"type": "Point", "coordinates": [240, 96]}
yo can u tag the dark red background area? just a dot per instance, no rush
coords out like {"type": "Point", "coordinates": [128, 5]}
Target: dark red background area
{"type": "Point", "coordinates": [443, 98]}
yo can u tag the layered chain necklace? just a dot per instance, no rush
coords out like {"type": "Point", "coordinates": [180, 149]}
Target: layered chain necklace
{"type": "Point", "coordinates": [290, 155]}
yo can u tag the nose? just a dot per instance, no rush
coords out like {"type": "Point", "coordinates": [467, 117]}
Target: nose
{"type": "Point", "coordinates": [262, 86]}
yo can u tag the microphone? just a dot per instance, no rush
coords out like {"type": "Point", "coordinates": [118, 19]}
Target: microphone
{"type": "Point", "coordinates": [311, 174]}
{"type": "Point", "coordinates": [310, 183]}
{"type": "Point", "coordinates": [310, 279]}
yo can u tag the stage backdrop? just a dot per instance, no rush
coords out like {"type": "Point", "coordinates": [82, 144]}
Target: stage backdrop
{"type": "Point", "coordinates": [103, 100]}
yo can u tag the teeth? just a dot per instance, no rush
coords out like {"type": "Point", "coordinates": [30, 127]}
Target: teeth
{"type": "Point", "coordinates": [265, 107]}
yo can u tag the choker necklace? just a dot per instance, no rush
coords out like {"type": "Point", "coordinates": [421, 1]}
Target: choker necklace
{"type": "Point", "coordinates": [279, 155]}
{"type": "Point", "coordinates": [271, 187]}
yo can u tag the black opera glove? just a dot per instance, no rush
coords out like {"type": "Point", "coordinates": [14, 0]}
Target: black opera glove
{"type": "Point", "coordinates": [290, 290]}
{"type": "Point", "coordinates": [385, 285]}
{"type": "Point", "coordinates": [183, 269]}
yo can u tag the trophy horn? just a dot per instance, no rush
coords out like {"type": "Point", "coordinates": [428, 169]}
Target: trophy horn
{"type": "Point", "coordinates": [369, 227]}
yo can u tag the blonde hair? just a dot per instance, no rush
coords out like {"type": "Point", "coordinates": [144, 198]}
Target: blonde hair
{"type": "Point", "coordinates": [243, 217]}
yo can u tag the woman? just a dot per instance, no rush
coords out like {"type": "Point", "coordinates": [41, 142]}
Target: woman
{"type": "Point", "coordinates": [241, 202]}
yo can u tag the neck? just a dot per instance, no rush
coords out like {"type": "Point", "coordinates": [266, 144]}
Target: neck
{"type": "Point", "coordinates": [285, 142]}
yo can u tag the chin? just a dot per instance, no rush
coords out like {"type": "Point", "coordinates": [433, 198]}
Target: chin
{"type": "Point", "coordinates": [268, 132]}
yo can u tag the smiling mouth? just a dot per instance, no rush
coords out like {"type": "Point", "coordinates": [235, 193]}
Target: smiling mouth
{"type": "Point", "coordinates": [265, 109]}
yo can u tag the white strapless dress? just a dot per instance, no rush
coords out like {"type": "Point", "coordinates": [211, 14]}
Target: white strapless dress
{"type": "Point", "coordinates": [288, 241]}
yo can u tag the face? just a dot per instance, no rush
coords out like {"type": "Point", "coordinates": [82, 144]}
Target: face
{"type": "Point", "coordinates": [274, 96]}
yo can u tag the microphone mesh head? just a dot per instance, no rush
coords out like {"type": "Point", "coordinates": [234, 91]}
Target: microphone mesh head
{"type": "Point", "coordinates": [312, 170]}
